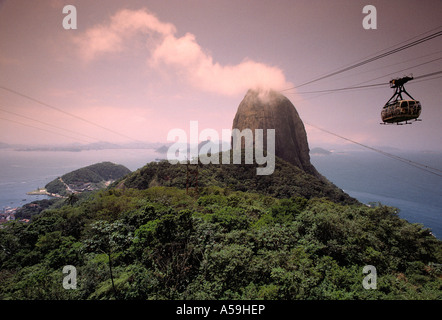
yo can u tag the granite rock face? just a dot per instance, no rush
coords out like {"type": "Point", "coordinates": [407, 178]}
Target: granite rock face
{"type": "Point", "coordinates": [262, 109]}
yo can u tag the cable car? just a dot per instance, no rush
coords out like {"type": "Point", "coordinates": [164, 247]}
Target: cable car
{"type": "Point", "coordinates": [398, 109]}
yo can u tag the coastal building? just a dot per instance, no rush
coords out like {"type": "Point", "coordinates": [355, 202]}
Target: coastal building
{"type": "Point", "coordinates": [7, 214]}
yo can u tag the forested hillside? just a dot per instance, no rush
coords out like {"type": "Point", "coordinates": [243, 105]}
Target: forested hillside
{"type": "Point", "coordinates": [286, 181]}
{"type": "Point", "coordinates": [275, 241]}
{"type": "Point", "coordinates": [88, 178]}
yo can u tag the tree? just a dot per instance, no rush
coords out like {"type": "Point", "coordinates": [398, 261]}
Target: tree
{"type": "Point", "coordinates": [108, 238]}
{"type": "Point", "coordinates": [72, 199]}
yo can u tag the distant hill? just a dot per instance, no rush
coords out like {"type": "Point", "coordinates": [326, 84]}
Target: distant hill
{"type": "Point", "coordinates": [33, 208]}
{"type": "Point", "coordinates": [319, 151]}
{"type": "Point", "coordinates": [4, 145]}
{"type": "Point", "coordinates": [82, 147]}
{"type": "Point", "coordinates": [93, 177]}
{"type": "Point", "coordinates": [287, 180]}
{"type": "Point", "coordinates": [162, 149]}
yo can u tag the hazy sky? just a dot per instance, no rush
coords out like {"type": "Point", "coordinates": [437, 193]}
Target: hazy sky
{"type": "Point", "coordinates": [145, 67]}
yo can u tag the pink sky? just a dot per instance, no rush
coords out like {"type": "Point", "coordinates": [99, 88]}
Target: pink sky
{"type": "Point", "coordinates": [143, 68]}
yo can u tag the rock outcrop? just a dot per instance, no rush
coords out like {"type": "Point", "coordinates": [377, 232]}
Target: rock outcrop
{"type": "Point", "coordinates": [271, 110]}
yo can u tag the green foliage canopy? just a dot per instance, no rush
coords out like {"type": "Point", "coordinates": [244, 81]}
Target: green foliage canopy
{"type": "Point", "coordinates": [224, 244]}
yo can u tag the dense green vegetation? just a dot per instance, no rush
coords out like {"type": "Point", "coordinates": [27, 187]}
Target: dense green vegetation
{"type": "Point", "coordinates": [34, 208]}
{"type": "Point", "coordinates": [157, 242]}
{"type": "Point", "coordinates": [286, 181]}
{"type": "Point", "coordinates": [95, 175]}
{"type": "Point", "coordinates": [164, 244]}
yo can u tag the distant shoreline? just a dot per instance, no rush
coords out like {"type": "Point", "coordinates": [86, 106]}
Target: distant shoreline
{"type": "Point", "coordinates": [43, 192]}
{"type": "Point", "coordinates": [37, 192]}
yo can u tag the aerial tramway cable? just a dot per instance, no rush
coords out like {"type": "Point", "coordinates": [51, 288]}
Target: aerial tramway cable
{"type": "Point", "coordinates": [377, 57]}
{"type": "Point", "coordinates": [368, 85]}
{"type": "Point", "coordinates": [43, 129]}
{"type": "Point", "coordinates": [415, 164]}
{"type": "Point", "coordinates": [67, 113]}
{"type": "Point", "coordinates": [393, 46]}
{"type": "Point", "coordinates": [47, 124]}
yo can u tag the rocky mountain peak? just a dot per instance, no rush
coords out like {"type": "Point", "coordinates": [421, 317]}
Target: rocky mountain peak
{"type": "Point", "coordinates": [269, 109]}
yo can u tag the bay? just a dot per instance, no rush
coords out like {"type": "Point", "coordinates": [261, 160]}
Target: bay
{"type": "Point", "coordinates": [24, 171]}
{"type": "Point", "coordinates": [364, 175]}
{"type": "Point", "coordinates": [374, 178]}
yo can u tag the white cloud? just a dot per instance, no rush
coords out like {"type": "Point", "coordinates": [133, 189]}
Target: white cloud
{"type": "Point", "coordinates": [183, 54]}
{"type": "Point", "coordinates": [107, 38]}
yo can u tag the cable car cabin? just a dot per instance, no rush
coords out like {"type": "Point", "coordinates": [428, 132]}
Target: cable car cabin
{"type": "Point", "coordinates": [398, 109]}
{"type": "Point", "coordinates": [401, 110]}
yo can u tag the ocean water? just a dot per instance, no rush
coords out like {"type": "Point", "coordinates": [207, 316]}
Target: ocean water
{"type": "Point", "coordinates": [24, 171]}
{"type": "Point", "coordinates": [374, 178]}
{"type": "Point", "coordinates": [365, 175]}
